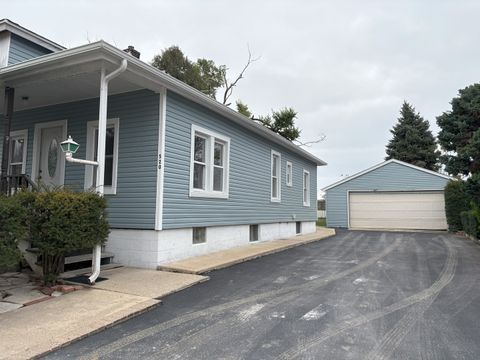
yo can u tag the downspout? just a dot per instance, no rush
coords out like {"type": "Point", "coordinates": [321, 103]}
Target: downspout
{"type": "Point", "coordinates": [102, 133]}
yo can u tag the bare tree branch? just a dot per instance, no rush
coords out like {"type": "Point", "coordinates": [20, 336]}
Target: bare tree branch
{"type": "Point", "coordinates": [310, 143]}
{"type": "Point", "coordinates": [230, 85]}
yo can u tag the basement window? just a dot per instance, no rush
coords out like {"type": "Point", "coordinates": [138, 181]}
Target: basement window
{"type": "Point", "coordinates": [253, 233]}
{"type": "Point", "coordinates": [298, 227]}
{"type": "Point", "coordinates": [199, 235]}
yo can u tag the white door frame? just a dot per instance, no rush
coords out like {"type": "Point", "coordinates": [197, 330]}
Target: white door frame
{"type": "Point", "coordinates": [36, 147]}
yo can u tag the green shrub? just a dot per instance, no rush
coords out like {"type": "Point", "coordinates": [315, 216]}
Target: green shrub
{"type": "Point", "coordinates": [12, 228]}
{"type": "Point", "coordinates": [470, 223]}
{"type": "Point", "coordinates": [62, 221]}
{"type": "Point", "coordinates": [456, 202]}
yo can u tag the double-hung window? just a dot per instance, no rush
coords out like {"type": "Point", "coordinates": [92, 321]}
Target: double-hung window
{"type": "Point", "coordinates": [275, 179]}
{"type": "Point", "coordinates": [306, 188]}
{"type": "Point", "coordinates": [209, 164]}
{"type": "Point", "coordinates": [111, 156]}
{"type": "Point", "coordinates": [18, 152]}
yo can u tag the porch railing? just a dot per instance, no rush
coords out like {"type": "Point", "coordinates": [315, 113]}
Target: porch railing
{"type": "Point", "coordinates": [10, 184]}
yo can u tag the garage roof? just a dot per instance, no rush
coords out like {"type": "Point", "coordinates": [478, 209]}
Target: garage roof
{"type": "Point", "coordinates": [381, 165]}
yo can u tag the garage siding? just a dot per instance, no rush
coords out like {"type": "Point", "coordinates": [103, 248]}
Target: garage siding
{"type": "Point", "coordinates": [390, 177]}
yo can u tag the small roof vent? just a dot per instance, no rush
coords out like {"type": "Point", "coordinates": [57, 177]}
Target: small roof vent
{"type": "Point", "coordinates": [131, 50]}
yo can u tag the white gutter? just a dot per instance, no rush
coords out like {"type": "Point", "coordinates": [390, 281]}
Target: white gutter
{"type": "Point", "coordinates": [102, 134]}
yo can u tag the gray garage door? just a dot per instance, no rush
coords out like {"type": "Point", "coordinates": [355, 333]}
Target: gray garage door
{"type": "Point", "coordinates": [397, 210]}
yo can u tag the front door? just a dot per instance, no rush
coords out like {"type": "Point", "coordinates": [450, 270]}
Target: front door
{"type": "Point", "coordinates": [50, 163]}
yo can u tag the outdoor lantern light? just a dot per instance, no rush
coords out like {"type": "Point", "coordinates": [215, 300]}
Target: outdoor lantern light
{"type": "Point", "coordinates": [69, 146]}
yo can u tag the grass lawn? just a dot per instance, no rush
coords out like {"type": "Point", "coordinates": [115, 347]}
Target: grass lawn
{"type": "Point", "coordinates": [322, 222]}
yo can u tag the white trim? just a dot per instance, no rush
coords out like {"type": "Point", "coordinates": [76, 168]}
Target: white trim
{"type": "Point", "coordinates": [306, 203]}
{"type": "Point", "coordinates": [7, 25]}
{"type": "Point", "coordinates": [278, 175]}
{"type": "Point", "coordinates": [161, 158]}
{"type": "Point", "coordinates": [36, 147]}
{"type": "Point", "coordinates": [5, 40]}
{"type": "Point", "coordinates": [210, 137]}
{"type": "Point", "coordinates": [289, 174]}
{"type": "Point", "coordinates": [19, 134]}
{"type": "Point", "coordinates": [157, 78]}
{"type": "Point", "coordinates": [383, 164]}
{"type": "Point", "coordinates": [90, 151]}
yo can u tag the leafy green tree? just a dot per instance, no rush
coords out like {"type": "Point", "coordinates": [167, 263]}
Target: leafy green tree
{"type": "Point", "coordinates": [202, 74]}
{"type": "Point", "coordinates": [282, 122]}
{"type": "Point", "coordinates": [243, 109]}
{"type": "Point", "coordinates": [460, 133]}
{"type": "Point", "coordinates": [412, 140]}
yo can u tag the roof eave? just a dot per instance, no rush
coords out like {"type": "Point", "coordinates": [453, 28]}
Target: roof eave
{"type": "Point", "coordinates": [171, 83]}
{"type": "Point", "coordinates": [377, 166]}
{"type": "Point", "coordinates": [8, 25]}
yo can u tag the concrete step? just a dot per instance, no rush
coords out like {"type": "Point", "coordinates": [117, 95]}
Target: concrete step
{"type": "Point", "coordinates": [83, 271]}
{"type": "Point", "coordinates": [86, 257]}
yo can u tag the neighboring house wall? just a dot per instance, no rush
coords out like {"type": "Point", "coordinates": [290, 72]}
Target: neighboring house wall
{"type": "Point", "coordinates": [250, 175]}
{"type": "Point", "coordinates": [391, 177]}
{"type": "Point", "coordinates": [22, 49]}
{"type": "Point", "coordinates": [134, 204]}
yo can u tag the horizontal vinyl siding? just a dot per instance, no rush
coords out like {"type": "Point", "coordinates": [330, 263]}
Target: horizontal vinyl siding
{"type": "Point", "coordinates": [249, 186]}
{"type": "Point", "coordinates": [134, 204]}
{"type": "Point", "coordinates": [21, 50]}
{"type": "Point", "coordinates": [391, 177]}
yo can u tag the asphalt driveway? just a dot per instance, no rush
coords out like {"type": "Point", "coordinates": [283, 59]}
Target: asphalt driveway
{"type": "Point", "coordinates": [358, 295]}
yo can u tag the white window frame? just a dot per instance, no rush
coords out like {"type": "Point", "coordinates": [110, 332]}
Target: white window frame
{"type": "Point", "coordinates": [15, 135]}
{"type": "Point", "coordinates": [289, 174]}
{"type": "Point", "coordinates": [90, 151]}
{"type": "Point", "coordinates": [306, 187]}
{"type": "Point", "coordinates": [211, 137]}
{"type": "Point", "coordinates": [277, 175]}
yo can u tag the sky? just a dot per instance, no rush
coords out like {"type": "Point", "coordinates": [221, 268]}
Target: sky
{"type": "Point", "coordinates": [345, 66]}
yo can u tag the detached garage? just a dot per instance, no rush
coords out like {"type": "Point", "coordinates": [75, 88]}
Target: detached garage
{"type": "Point", "coordinates": [390, 195]}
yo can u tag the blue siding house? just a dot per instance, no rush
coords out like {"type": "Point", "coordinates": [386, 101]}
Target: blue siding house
{"type": "Point", "coordinates": [183, 174]}
{"type": "Point", "coordinates": [390, 195]}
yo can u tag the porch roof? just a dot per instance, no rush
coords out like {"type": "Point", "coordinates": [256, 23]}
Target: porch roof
{"type": "Point", "coordinates": [74, 74]}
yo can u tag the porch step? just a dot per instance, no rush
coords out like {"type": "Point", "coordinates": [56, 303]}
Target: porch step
{"type": "Point", "coordinates": [75, 262]}
{"type": "Point", "coordinates": [83, 271]}
{"type": "Point", "coordinates": [86, 257]}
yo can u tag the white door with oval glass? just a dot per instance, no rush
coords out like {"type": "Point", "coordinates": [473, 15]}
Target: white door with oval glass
{"type": "Point", "coordinates": [49, 164]}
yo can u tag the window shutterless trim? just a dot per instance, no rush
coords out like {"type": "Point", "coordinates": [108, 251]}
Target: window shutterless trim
{"type": "Point", "coordinates": [289, 174]}
{"type": "Point", "coordinates": [90, 154]}
{"type": "Point", "coordinates": [277, 175]}
{"type": "Point", "coordinates": [14, 135]}
{"type": "Point", "coordinates": [306, 188]}
{"type": "Point", "coordinates": [211, 137]}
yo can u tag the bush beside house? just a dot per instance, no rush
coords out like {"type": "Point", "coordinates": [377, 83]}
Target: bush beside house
{"type": "Point", "coordinates": [56, 222]}
{"type": "Point", "coordinates": [456, 202]}
{"type": "Point", "coordinates": [462, 206]}
{"type": "Point", "coordinates": [12, 228]}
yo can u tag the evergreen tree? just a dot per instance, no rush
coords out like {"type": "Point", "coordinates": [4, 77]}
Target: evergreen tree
{"type": "Point", "coordinates": [460, 133]}
{"type": "Point", "coordinates": [412, 140]}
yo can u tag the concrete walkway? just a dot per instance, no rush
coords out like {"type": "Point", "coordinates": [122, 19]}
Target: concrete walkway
{"type": "Point", "coordinates": [34, 330]}
{"type": "Point", "coordinates": [221, 259]}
